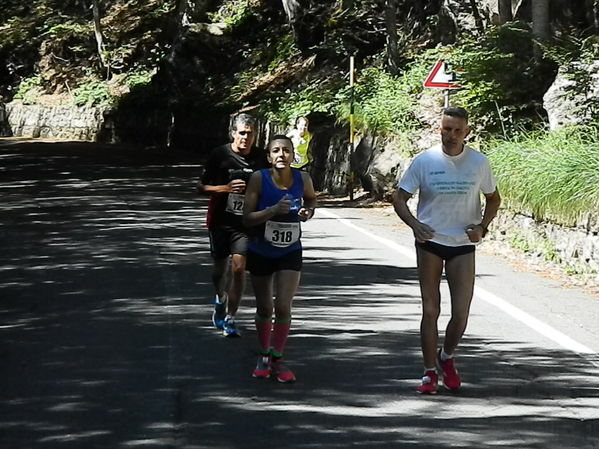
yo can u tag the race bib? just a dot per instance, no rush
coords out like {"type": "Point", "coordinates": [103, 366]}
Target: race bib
{"type": "Point", "coordinates": [280, 234]}
{"type": "Point", "coordinates": [235, 204]}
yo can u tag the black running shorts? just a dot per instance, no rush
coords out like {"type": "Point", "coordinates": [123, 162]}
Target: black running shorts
{"type": "Point", "coordinates": [445, 252]}
{"type": "Point", "coordinates": [259, 265]}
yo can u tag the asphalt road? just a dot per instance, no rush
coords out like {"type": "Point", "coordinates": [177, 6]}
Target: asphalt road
{"type": "Point", "coordinates": [106, 339]}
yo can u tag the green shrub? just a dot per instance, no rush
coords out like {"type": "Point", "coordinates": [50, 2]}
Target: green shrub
{"type": "Point", "coordinates": [315, 96]}
{"type": "Point", "coordinates": [15, 32]}
{"type": "Point", "coordinates": [30, 89]}
{"type": "Point", "coordinates": [140, 77]}
{"type": "Point", "coordinates": [284, 50]}
{"type": "Point", "coordinates": [504, 85]}
{"type": "Point", "coordinates": [385, 104]}
{"type": "Point", "coordinates": [554, 175]}
{"type": "Point", "coordinates": [234, 13]}
{"type": "Point", "coordinates": [68, 29]}
{"type": "Point", "coordinates": [93, 92]}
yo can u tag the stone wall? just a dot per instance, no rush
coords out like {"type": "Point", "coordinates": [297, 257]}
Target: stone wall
{"type": "Point", "coordinates": [59, 122]}
{"type": "Point", "coordinates": [576, 247]}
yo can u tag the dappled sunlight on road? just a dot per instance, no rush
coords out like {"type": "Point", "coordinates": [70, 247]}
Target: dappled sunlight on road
{"type": "Point", "coordinates": [107, 342]}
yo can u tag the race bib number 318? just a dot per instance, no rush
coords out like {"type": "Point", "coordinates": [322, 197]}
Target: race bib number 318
{"type": "Point", "coordinates": [280, 234]}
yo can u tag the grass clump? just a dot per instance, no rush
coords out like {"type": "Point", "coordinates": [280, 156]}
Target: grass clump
{"type": "Point", "coordinates": [553, 175]}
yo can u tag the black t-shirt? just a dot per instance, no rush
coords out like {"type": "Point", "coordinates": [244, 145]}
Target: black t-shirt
{"type": "Point", "coordinates": [223, 166]}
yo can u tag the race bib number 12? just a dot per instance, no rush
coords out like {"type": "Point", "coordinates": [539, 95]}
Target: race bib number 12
{"type": "Point", "coordinates": [235, 203]}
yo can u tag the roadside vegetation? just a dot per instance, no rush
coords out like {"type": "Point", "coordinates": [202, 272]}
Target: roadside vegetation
{"type": "Point", "coordinates": [553, 175]}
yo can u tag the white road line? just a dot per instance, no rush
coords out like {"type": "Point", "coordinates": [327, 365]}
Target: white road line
{"type": "Point", "coordinates": [406, 252]}
{"type": "Point", "coordinates": [494, 300]}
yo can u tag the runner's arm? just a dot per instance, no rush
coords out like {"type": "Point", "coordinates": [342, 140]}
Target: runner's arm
{"type": "Point", "coordinates": [207, 184]}
{"type": "Point", "coordinates": [307, 210]}
{"type": "Point", "coordinates": [422, 232]}
{"type": "Point", "coordinates": [235, 186]}
{"type": "Point", "coordinates": [478, 231]}
{"type": "Point", "coordinates": [252, 216]}
{"type": "Point", "coordinates": [493, 201]}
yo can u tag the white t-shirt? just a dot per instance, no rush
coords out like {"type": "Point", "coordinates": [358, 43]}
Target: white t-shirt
{"type": "Point", "coordinates": [450, 186]}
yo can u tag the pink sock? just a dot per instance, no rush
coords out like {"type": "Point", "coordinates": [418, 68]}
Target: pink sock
{"type": "Point", "coordinates": [263, 327]}
{"type": "Point", "coordinates": [280, 332]}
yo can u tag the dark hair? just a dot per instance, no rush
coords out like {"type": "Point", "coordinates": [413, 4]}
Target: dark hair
{"type": "Point", "coordinates": [279, 137]}
{"type": "Point", "coordinates": [455, 111]}
{"type": "Point", "coordinates": [243, 120]}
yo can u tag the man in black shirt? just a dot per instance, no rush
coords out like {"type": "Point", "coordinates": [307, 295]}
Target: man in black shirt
{"type": "Point", "coordinates": [227, 170]}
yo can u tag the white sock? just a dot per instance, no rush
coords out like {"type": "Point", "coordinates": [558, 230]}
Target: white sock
{"type": "Point", "coordinates": [430, 369]}
{"type": "Point", "coordinates": [444, 356]}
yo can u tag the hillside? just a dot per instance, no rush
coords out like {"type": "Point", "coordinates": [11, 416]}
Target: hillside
{"type": "Point", "coordinates": [171, 72]}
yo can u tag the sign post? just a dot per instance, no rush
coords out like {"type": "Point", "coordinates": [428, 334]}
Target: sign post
{"type": "Point", "coordinates": [442, 77]}
{"type": "Point", "coordinates": [351, 129]}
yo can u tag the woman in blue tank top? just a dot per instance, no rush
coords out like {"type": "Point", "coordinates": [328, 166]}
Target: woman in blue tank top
{"type": "Point", "coordinates": [276, 201]}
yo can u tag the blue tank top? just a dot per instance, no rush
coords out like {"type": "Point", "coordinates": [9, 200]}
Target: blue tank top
{"type": "Point", "coordinates": [269, 196]}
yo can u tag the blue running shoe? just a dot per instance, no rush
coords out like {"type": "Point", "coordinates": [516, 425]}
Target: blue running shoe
{"type": "Point", "coordinates": [219, 313]}
{"type": "Point", "coordinates": [230, 328]}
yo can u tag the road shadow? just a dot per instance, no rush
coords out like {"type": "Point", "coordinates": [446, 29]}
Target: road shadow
{"type": "Point", "coordinates": [106, 338]}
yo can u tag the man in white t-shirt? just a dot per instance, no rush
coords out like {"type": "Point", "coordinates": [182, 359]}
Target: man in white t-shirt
{"type": "Point", "coordinates": [450, 178]}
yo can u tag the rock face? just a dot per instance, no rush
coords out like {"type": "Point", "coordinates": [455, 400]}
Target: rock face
{"type": "Point", "coordinates": [563, 106]}
{"type": "Point", "coordinates": [379, 164]}
{"type": "Point", "coordinates": [60, 122]}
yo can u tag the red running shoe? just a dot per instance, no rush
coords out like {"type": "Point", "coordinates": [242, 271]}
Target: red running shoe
{"type": "Point", "coordinates": [451, 378]}
{"type": "Point", "coordinates": [283, 374]}
{"type": "Point", "coordinates": [429, 383]}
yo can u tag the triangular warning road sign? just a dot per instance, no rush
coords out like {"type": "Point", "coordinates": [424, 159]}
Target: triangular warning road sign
{"type": "Point", "coordinates": [440, 78]}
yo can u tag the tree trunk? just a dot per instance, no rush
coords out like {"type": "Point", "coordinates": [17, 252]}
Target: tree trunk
{"type": "Point", "coordinates": [505, 11]}
{"type": "Point", "coordinates": [540, 20]}
{"type": "Point", "coordinates": [592, 9]}
{"type": "Point", "coordinates": [477, 20]}
{"type": "Point", "coordinates": [291, 8]}
{"type": "Point", "coordinates": [174, 92]}
{"type": "Point", "coordinates": [391, 23]}
{"type": "Point", "coordinates": [447, 26]}
{"type": "Point", "coordinates": [540, 25]}
{"type": "Point", "coordinates": [99, 39]}
{"type": "Point", "coordinates": [306, 21]}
